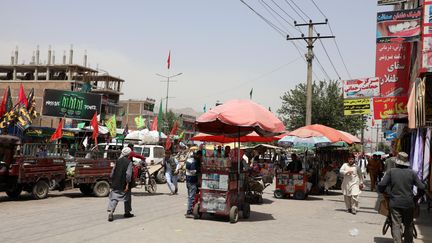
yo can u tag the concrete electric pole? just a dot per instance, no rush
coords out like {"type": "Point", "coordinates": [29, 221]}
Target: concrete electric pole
{"type": "Point", "coordinates": [167, 90]}
{"type": "Point", "coordinates": [310, 39]}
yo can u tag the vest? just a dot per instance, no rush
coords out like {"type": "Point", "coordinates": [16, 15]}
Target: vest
{"type": "Point", "coordinates": [119, 175]}
{"type": "Point", "coordinates": [171, 162]}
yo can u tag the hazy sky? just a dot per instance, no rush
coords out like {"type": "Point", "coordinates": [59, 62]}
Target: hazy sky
{"type": "Point", "coordinates": [222, 48]}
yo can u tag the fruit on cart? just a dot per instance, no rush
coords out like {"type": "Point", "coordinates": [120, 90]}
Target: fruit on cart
{"type": "Point", "coordinates": [233, 215]}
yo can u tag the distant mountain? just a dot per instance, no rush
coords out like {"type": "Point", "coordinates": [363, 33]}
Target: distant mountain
{"type": "Point", "coordinates": [187, 111]}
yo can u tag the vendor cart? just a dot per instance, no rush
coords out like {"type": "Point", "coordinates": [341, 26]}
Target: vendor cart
{"type": "Point", "coordinates": [291, 184]}
{"type": "Point", "coordinates": [222, 190]}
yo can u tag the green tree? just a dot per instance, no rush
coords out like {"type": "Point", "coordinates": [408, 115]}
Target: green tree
{"type": "Point", "coordinates": [327, 108]}
{"type": "Point", "coordinates": [381, 146]}
{"type": "Point", "coordinates": [168, 122]}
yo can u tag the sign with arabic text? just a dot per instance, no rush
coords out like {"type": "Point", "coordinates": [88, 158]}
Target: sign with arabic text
{"type": "Point", "coordinates": [390, 107]}
{"type": "Point", "coordinates": [69, 104]}
{"type": "Point", "coordinates": [393, 67]}
{"type": "Point", "coordinates": [357, 107]}
{"type": "Point", "coordinates": [397, 26]}
{"type": "Point", "coordinates": [426, 43]}
{"type": "Point", "coordinates": [362, 87]}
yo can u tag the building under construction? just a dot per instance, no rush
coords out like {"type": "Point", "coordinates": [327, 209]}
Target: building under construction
{"type": "Point", "coordinates": [65, 76]}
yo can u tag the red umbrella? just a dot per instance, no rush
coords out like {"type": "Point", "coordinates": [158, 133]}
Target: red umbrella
{"type": "Point", "coordinates": [320, 130]}
{"type": "Point", "coordinates": [352, 137]}
{"type": "Point", "coordinates": [251, 137]}
{"type": "Point", "coordinates": [240, 117]}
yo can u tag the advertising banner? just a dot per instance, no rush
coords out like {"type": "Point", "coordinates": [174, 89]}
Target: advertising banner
{"type": "Point", "coordinates": [357, 107]}
{"type": "Point", "coordinates": [69, 104]}
{"type": "Point", "coordinates": [426, 64]}
{"type": "Point", "coordinates": [397, 26]}
{"type": "Point", "coordinates": [390, 107]}
{"type": "Point", "coordinates": [393, 68]}
{"type": "Point", "coordinates": [359, 88]}
{"type": "Point", "coordinates": [389, 2]}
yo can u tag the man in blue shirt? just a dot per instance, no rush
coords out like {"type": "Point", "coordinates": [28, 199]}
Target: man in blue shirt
{"type": "Point", "coordinates": [192, 172]}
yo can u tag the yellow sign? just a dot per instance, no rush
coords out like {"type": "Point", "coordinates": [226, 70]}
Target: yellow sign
{"type": "Point", "coordinates": [357, 107]}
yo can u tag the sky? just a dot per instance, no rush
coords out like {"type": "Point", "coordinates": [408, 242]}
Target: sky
{"type": "Point", "coordinates": [221, 47]}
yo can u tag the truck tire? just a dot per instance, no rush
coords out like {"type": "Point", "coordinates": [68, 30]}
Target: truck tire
{"type": "Point", "coordinates": [101, 189]}
{"type": "Point", "coordinates": [160, 176]}
{"type": "Point", "coordinates": [233, 215]}
{"type": "Point", "coordinates": [40, 190]}
{"type": "Point", "coordinates": [86, 189]}
{"type": "Point", "coordinates": [15, 191]}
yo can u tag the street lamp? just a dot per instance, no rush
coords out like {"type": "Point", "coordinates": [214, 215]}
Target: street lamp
{"type": "Point", "coordinates": [168, 82]}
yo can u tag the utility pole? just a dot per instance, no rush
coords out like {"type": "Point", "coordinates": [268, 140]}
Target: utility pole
{"type": "Point", "coordinates": [310, 39]}
{"type": "Point", "coordinates": [167, 90]}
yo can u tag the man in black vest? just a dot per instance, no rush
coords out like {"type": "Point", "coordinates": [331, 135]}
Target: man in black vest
{"type": "Point", "coordinates": [121, 176]}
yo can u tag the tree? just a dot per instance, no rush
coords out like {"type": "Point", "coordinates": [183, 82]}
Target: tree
{"type": "Point", "coordinates": [381, 146]}
{"type": "Point", "coordinates": [168, 120]}
{"type": "Point", "coordinates": [327, 108]}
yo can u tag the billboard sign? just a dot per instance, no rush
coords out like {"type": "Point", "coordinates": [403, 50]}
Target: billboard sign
{"type": "Point", "coordinates": [69, 104]}
{"type": "Point", "coordinates": [390, 2]}
{"type": "Point", "coordinates": [426, 53]}
{"type": "Point", "coordinates": [393, 68]}
{"type": "Point", "coordinates": [362, 87]}
{"type": "Point", "coordinates": [390, 107]}
{"type": "Point", "coordinates": [357, 107]}
{"type": "Point", "coordinates": [397, 26]}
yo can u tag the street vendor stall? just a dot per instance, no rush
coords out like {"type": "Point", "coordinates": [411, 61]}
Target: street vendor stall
{"type": "Point", "coordinates": [235, 118]}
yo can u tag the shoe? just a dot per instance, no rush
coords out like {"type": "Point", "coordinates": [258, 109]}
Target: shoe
{"type": "Point", "coordinates": [110, 217]}
{"type": "Point", "coordinates": [175, 191]}
{"type": "Point", "coordinates": [349, 210]}
{"type": "Point", "coordinates": [354, 212]}
{"type": "Point", "coordinates": [128, 215]}
{"type": "Point", "coordinates": [189, 215]}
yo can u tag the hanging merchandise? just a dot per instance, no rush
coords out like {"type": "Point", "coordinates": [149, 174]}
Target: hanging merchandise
{"type": "Point", "coordinates": [426, 158]}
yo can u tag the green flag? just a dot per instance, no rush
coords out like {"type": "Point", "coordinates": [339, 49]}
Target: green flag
{"type": "Point", "coordinates": [112, 126]}
{"type": "Point", "coordinates": [81, 125]}
{"type": "Point", "coordinates": [250, 93]}
{"type": "Point", "coordinates": [160, 117]}
{"type": "Point", "coordinates": [205, 108]}
{"type": "Point", "coordinates": [139, 122]}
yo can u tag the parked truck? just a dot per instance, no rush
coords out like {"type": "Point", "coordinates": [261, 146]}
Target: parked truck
{"type": "Point", "coordinates": [37, 169]}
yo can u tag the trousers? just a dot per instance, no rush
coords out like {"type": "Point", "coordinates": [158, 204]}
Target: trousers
{"type": "Point", "coordinates": [171, 181]}
{"type": "Point", "coordinates": [192, 190]}
{"type": "Point", "coordinates": [351, 202]}
{"type": "Point", "coordinates": [399, 217]}
{"type": "Point", "coordinates": [116, 196]}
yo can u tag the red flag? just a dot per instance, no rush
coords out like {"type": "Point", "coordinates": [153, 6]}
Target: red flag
{"type": "Point", "coordinates": [95, 125]}
{"type": "Point", "coordinates": [154, 125]}
{"type": "Point", "coordinates": [174, 129]}
{"type": "Point", "coordinates": [58, 132]}
{"type": "Point", "coordinates": [169, 60]}
{"type": "Point", "coordinates": [168, 143]}
{"type": "Point", "coordinates": [3, 103]}
{"type": "Point", "coordinates": [22, 99]}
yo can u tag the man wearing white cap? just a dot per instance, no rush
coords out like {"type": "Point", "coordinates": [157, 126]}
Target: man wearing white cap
{"type": "Point", "coordinates": [400, 181]}
{"type": "Point", "coordinates": [121, 176]}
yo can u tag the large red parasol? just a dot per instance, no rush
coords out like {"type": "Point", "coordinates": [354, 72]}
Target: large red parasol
{"type": "Point", "coordinates": [240, 117]}
{"type": "Point", "coordinates": [251, 137]}
{"type": "Point", "coordinates": [320, 130]}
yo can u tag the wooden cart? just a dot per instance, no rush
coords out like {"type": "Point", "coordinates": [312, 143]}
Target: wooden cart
{"type": "Point", "coordinates": [294, 184]}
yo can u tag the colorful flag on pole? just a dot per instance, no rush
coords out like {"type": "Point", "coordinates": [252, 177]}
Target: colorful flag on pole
{"type": "Point", "coordinates": [95, 125]}
{"type": "Point", "coordinates": [205, 108]}
{"type": "Point", "coordinates": [174, 128]}
{"type": "Point", "coordinates": [58, 132]}
{"type": "Point", "coordinates": [160, 114]}
{"type": "Point", "coordinates": [250, 93]}
{"type": "Point", "coordinates": [23, 120]}
{"type": "Point", "coordinates": [139, 122]}
{"type": "Point", "coordinates": [22, 99]}
{"type": "Point", "coordinates": [169, 60]}
{"type": "Point", "coordinates": [81, 125]}
{"type": "Point", "coordinates": [154, 126]}
{"type": "Point", "coordinates": [112, 126]}
{"type": "Point", "coordinates": [3, 103]}
{"type": "Point", "coordinates": [181, 136]}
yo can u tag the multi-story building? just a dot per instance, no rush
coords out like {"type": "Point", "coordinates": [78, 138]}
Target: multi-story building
{"type": "Point", "coordinates": [136, 108]}
{"type": "Point", "coordinates": [69, 77]}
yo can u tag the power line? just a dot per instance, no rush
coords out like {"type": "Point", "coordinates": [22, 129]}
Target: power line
{"type": "Point", "coordinates": [318, 8]}
{"type": "Point", "coordinates": [300, 9]}
{"type": "Point", "coordinates": [280, 15]}
{"type": "Point", "coordinates": [277, 29]}
{"type": "Point", "coordinates": [274, 17]}
{"type": "Point", "coordinates": [328, 56]}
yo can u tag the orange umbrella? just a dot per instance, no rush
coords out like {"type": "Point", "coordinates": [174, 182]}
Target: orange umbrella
{"type": "Point", "coordinates": [352, 137]}
{"type": "Point", "coordinates": [320, 130]}
{"type": "Point", "coordinates": [251, 137]}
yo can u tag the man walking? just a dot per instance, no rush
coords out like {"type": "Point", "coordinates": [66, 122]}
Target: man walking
{"type": "Point", "coordinates": [121, 176]}
{"type": "Point", "coordinates": [192, 172]}
{"type": "Point", "coordinates": [374, 168]}
{"type": "Point", "coordinates": [171, 166]}
{"type": "Point", "coordinates": [400, 181]}
{"type": "Point", "coordinates": [351, 185]}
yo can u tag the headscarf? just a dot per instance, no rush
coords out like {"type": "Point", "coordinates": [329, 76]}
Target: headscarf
{"type": "Point", "coordinates": [125, 152]}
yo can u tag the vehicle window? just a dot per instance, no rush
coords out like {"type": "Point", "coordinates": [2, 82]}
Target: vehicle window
{"type": "Point", "coordinates": [159, 152]}
{"type": "Point", "coordinates": [101, 147]}
{"type": "Point", "coordinates": [146, 152]}
{"type": "Point", "coordinates": [138, 150]}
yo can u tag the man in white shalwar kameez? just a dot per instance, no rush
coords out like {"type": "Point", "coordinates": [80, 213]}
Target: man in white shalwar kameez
{"type": "Point", "coordinates": [351, 185]}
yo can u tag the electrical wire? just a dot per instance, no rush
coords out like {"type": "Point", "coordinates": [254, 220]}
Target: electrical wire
{"type": "Point", "coordinates": [274, 17]}
{"type": "Point", "coordinates": [280, 16]}
{"type": "Point", "coordinates": [277, 29]}
{"type": "Point", "coordinates": [328, 56]}
{"type": "Point", "coordinates": [300, 10]}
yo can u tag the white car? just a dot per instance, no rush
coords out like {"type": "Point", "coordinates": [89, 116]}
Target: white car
{"type": "Point", "coordinates": [154, 154]}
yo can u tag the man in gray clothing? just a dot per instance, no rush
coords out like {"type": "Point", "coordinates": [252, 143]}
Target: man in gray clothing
{"type": "Point", "coordinates": [121, 185]}
{"type": "Point", "coordinates": [400, 181]}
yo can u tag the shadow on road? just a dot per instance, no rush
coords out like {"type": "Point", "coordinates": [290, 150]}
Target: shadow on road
{"type": "Point", "coordinates": [383, 240]}
{"type": "Point", "coordinates": [254, 217]}
{"type": "Point", "coordinates": [141, 194]}
{"type": "Point", "coordinates": [26, 197]}
{"type": "Point", "coordinates": [311, 198]}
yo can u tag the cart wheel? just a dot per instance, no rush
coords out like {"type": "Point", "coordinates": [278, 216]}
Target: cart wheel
{"type": "Point", "coordinates": [101, 189]}
{"type": "Point", "coordinates": [40, 190]}
{"type": "Point", "coordinates": [299, 195]}
{"type": "Point", "coordinates": [152, 187]}
{"type": "Point", "coordinates": [246, 210]}
{"type": "Point", "coordinates": [233, 216]}
{"type": "Point", "coordinates": [196, 212]}
{"type": "Point", "coordinates": [278, 194]}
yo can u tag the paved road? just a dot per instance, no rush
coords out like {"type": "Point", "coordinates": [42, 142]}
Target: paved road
{"type": "Point", "coordinates": [71, 217]}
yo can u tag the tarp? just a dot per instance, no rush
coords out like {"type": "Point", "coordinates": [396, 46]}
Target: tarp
{"type": "Point", "coordinates": [145, 136]}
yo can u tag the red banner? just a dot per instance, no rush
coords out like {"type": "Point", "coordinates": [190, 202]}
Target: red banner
{"type": "Point", "coordinates": [390, 107]}
{"type": "Point", "coordinates": [393, 68]}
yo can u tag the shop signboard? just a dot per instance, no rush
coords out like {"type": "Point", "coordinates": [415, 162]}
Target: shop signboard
{"type": "Point", "coordinates": [69, 104]}
{"type": "Point", "coordinates": [426, 43]}
{"type": "Point", "coordinates": [393, 68]}
{"type": "Point", "coordinates": [357, 107]}
{"type": "Point", "coordinates": [360, 88]}
{"type": "Point", "coordinates": [397, 26]}
{"type": "Point", "coordinates": [390, 2]}
{"type": "Point", "coordinates": [390, 107]}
